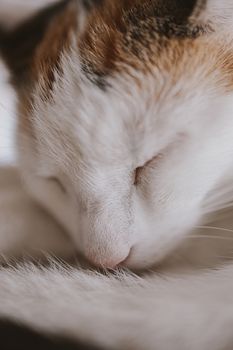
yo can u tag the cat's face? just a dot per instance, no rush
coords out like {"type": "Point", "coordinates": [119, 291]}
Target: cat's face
{"type": "Point", "coordinates": [134, 133]}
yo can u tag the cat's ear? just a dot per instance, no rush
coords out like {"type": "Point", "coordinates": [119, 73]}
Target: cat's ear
{"type": "Point", "coordinates": [34, 47]}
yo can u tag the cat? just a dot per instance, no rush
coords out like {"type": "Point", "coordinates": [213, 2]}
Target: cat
{"type": "Point", "coordinates": [125, 136]}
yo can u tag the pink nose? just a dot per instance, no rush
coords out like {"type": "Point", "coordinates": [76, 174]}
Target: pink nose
{"type": "Point", "coordinates": [108, 261]}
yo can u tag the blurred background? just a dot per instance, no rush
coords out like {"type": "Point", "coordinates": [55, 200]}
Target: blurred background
{"type": "Point", "coordinates": [12, 12]}
{"type": "Point", "coordinates": [7, 118]}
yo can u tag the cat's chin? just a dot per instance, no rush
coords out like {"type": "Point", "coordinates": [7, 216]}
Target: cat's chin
{"type": "Point", "coordinates": [146, 255]}
{"type": "Point", "coordinates": [137, 264]}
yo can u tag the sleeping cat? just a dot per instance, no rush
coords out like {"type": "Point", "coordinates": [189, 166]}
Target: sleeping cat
{"type": "Point", "coordinates": [126, 179]}
{"type": "Point", "coordinates": [125, 136]}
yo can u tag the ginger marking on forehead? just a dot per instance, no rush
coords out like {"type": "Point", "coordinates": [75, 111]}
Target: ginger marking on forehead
{"type": "Point", "coordinates": [132, 33]}
{"type": "Point", "coordinates": [58, 40]}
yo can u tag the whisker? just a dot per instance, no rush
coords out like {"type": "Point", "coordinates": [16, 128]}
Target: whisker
{"type": "Point", "coordinates": [210, 237]}
{"type": "Point", "coordinates": [214, 228]}
{"type": "Point", "coordinates": [225, 257]}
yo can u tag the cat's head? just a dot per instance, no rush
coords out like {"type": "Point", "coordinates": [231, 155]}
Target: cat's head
{"type": "Point", "coordinates": [125, 119]}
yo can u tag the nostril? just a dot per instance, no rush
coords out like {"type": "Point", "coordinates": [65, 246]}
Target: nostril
{"type": "Point", "coordinates": [109, 261]}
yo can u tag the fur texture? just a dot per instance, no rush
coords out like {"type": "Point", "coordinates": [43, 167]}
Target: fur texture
{"type": "Point", "coordinates": [133, 178]}
{"type": "Point", "coordinates": [127, 180]}
{"type": "Point", "coordinates": [124, 312]}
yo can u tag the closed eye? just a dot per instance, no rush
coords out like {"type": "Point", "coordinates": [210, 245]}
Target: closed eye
{"type": "Point", "coordinates": [138, 171]}
{"type": "Point", "coordinates": [137, 175]}
{"type": "Point", "coordinates": [58, 183]}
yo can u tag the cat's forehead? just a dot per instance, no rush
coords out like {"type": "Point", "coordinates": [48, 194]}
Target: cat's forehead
{"type": "Point", "coordinates": [135, 34]}
{"type": "Point", "coordinates": [132, 118]}
{"type": "Point", "coordinates": [124, 38]}
{"type": "Point", "coordinates": [136, 68]}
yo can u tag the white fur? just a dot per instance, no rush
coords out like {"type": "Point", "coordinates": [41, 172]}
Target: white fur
{"type": "Point", "coordinates": [183, 308]}
{"type": "Point", "coordinates": [103, 141]}
{"type": "Point", "coordinates": [171, 312]}
{"type": "Point", "coordinates": [19, 216]}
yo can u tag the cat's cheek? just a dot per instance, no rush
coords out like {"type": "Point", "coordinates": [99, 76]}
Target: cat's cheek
{"type": "Point", "coordinates": [157, 233]}
{"type": "Point", "coordinates": [151, 251]}
{"type": "Point", "coordinates": [148, 254]}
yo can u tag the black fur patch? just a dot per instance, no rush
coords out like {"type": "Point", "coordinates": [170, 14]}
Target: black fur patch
{"type": "Point", "coordinates": [166, 18]}
{"type": "Point", "coordinates": [18, 46]}
{"type": "Point", "coordinates": [17, 337]}
{"type": "Point", "coordinates": [155, 22]}
{"type": "Point", "coordinates": [177, 10]}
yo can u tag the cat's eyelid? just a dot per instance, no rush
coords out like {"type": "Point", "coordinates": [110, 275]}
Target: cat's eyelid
{"type": "Point", "coordinates": [137, 174]}
{"type": "Point", "coordinates": [139, 169]}
{"type": "Point", "coordinates": [58, 182]}
{"type": "Point", "coordinates": [49, 174]}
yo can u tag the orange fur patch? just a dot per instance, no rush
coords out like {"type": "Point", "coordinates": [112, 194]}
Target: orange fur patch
{"type": "Point", "coordinates": [125, 34]}
{"type": "Point", "coordinates": [133, 33]}
{"type": "Point", "coordinates": [56, 41]}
